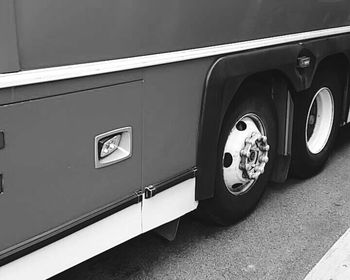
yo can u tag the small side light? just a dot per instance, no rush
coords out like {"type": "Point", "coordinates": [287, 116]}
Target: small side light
{"type": "Point", "coordinates": [113, 146]}
{"type": "Point", "coordinates": [108, 145]}
{"type": "Point", "coordinates": [304, 62]}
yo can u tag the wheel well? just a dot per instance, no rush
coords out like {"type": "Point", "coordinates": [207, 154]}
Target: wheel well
{"type": "Point", "coordinates": [340, 64]}
{"type": "Point", "coordinates": [214, 116]}
{"type": "Point", "coordinates": [278, 89]}
{"type": "Point", "coordinates": [270, 78]}
{"type": "Point", "coordinates": [273, 80]}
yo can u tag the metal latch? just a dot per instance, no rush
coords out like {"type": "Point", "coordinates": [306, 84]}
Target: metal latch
{"type": "Point", "coordinates": [149, 191]}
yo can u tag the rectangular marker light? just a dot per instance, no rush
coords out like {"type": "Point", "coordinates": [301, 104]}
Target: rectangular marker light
{"type": "Point", "coordinates": [109, 145]}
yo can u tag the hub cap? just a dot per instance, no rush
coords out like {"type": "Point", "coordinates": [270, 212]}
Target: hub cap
{"type": "Point", "coordinates": [319, 120]}
{"type": "Point", "coordinates": [245, 154]}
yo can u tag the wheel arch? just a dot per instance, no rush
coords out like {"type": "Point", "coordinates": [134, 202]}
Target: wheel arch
{"type": "Point", "coordinates": [277, 66]}
{"type": "Point", "coordinates": [225, 79]}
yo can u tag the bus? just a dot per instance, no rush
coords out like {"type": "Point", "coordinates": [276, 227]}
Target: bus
{"type": "Point", "coordinates": [119, 117]}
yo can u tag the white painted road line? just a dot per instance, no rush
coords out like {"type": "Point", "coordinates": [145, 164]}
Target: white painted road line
{"type": "Point", "coordinates": [335, 264]}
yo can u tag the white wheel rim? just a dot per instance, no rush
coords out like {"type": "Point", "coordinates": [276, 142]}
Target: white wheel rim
{"type": "Point", "coordinates": [319, 121]}
{"type": "Point", "coordinates": [235, 180]}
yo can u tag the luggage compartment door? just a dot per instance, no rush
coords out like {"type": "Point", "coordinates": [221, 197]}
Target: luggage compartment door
{"type": "Point", "coordinates": [48, 164]}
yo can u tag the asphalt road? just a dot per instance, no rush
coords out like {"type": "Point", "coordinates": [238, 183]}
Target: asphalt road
{"type": "Point", "coordinates": [293, 227]}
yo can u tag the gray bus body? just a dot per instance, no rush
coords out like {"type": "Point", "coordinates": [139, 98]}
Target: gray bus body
{"type": "Point", "coordinates": [73, 70]}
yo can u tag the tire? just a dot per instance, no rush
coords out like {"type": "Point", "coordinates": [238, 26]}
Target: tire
{"type": "Point", "coordinates": [227, 207]}
{"type": "Point", "coordinates": [314, 133]}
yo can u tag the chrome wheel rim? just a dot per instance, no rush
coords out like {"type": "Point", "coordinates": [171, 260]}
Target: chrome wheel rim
{"type": "Point", "coordinates": [245, 154]}
{"type": "Point", "coordinates": [319, 121]}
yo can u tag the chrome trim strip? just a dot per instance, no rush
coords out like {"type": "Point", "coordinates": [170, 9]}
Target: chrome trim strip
{"type": "Point", "coordinates": [28, 77]}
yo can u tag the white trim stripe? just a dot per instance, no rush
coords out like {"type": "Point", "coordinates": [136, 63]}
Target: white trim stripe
{"type": "Point", "coordinates": [104, 234]}
{"type": "Point", "coordinates": [77, 247]}
{"type": "Point", "coordinates": [336, 262]}
{"type": "Point", "coordinates": [28, 77]}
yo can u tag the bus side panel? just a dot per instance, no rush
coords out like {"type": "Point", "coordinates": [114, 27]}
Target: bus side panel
{"type": "Point", "coordinates": [53, 33]}
{"type": "Point", "coordinates": [172, 105]}
{"type": "Point", "coordinates": [8, 41]}
{"type": "Point", "coordinates": [47, 164]}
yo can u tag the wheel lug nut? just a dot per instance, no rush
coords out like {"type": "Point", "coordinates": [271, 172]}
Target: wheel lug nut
{"type": "Point", "coordinates": [264, 159]}
{"type": "Point", "coordinates": [259, 169]}
{"type": "Point", "coordinates": [245, 153]}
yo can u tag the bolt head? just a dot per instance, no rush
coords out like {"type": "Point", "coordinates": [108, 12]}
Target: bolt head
{"type": "Point", "coordinates": [248, 141]}
{"type": "Point", "coordinates": [245, 153]}
{"type": "Point", "coordinates": [264, 159]}
{"type": "Point", "coordinates": [266, 148]}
